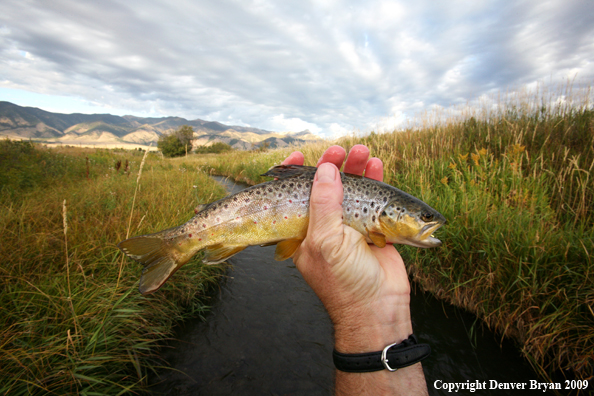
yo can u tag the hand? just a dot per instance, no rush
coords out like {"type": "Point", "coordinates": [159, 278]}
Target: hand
{"type": "Point", "coordinates": [365, 289]}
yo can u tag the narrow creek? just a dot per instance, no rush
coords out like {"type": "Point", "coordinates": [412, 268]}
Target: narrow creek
{"type": "Point", "coordinates": [268, 334]}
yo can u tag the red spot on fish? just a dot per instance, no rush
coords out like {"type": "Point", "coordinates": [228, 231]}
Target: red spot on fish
{"type": "Point", "coordinates": [237, 218]}
{"type": "Point", "coordinates": [255, 222]}
{"type": "Point", "coordinates": [357, 200]}
{"type": "Point", "coordinates": [203, 225]}
{"type": "Point", "coordinates": [286, 217]}
{"type": "Point", "coordinates": [274, 222]}
{"type": "Point", "coordinates": [265, 207]}
{"type": "Point", "coordinates": [189, 235]}
{"type": "Point", "coordinates": [290, 201]}
{"type": "Point", "coordinates": [298, 215]}
{"type": "Point", "coordinates": [199, 239]}
{"type": "Point", "coordinates": [195, 211]}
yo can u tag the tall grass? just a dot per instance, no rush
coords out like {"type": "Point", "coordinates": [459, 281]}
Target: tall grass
{"type": "Point", "coordinates": [71, 318]}
{"type": "Point", "coordinates": [514, 178]}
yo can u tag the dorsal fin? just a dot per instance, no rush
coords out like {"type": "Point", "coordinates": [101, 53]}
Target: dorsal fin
{"type": "Point", "coordinates": [285, 171]}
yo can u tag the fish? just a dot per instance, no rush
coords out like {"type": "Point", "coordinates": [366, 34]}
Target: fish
{"type": "Point", "coordinates": [277, 213]}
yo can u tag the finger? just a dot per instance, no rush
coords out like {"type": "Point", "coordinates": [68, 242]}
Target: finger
{"type": "Point", "coordinates": [357, 160]}
{"type": "Point", "coordinates": [375, 169]}
{"type": "Point", "coordinates": [325, 210]}
{"type": "Point", "coordinates": [296, 158]}
{"type": "Point", "coordinates": [334, 155]}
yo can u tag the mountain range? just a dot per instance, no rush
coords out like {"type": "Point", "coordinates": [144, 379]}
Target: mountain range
{"type": "Point", "coordinates": [18, 122]}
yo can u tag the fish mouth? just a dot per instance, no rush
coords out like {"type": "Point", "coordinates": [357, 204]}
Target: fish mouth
{"type": "Point", "coordinates": [426, 236]}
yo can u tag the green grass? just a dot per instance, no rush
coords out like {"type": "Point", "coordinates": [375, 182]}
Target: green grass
{"type": "Point", "coordinates": [72, 320]}
{"type": "Point", "coordinates": [514, 180]}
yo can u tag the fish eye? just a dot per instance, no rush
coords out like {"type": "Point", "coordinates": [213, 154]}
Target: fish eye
{"type": "Point", "coordinates": [427, 216]}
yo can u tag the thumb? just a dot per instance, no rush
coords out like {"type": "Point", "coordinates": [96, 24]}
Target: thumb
{"type": "Point", "coordinates": [325, 211]}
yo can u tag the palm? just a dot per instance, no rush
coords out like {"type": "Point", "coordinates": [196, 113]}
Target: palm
{"type": "Point", "coordinates": [362, 271]}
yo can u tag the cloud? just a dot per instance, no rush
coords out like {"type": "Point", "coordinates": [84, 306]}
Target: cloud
{"type": "Point", "coordinates": [326, 66]}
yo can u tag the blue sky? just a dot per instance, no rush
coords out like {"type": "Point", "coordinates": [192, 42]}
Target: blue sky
{"type": "Point", "coordinates": [333, 67]}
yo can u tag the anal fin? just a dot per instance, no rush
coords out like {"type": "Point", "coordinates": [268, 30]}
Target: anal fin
{"type": "Point", "coordinates": [218, 253]}
{"type": "Point", "coordinates": [377, 238]}
{"type": "Point", "coordinates": [285, 249]}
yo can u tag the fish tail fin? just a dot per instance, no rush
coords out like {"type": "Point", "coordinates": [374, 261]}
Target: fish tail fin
{"type": "Point", "coordinates": [161, 254]}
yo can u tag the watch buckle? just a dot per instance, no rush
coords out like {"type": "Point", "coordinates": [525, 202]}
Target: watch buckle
{"type": "Point", "coordinates": [384, 357]}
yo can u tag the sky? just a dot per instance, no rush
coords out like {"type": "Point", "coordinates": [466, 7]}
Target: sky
{"type": "Point", "coordinates": [333, 67]}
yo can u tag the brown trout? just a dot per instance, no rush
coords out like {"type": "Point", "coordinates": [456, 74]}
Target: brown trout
{"type": "Point", "coordinates": [277, 212]}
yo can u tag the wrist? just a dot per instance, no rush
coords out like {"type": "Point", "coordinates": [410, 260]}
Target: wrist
{"type": "Point", "coordinates": [372, 328]}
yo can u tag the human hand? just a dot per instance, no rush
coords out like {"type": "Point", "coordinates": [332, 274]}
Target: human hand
{"type": "Point", "coordinates": [364, 288]}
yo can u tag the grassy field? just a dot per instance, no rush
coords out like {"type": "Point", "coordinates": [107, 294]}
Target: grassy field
{"type": "Point", "coordinates": [71, 318]}
{"type": "Point", "coordinates": [514, 179]}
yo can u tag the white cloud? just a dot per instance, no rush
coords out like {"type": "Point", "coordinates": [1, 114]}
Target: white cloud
{"type": "Point", "coordinates": [283, 124]}
{"type": "Point", "coordinates": [331, 67]}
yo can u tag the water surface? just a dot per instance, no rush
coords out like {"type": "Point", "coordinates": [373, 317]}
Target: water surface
{"type": "Point", "coordinates": [268, 334]}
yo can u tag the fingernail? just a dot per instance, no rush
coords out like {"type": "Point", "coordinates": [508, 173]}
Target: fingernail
{"type": "Point", "coordinates": [326, 173]}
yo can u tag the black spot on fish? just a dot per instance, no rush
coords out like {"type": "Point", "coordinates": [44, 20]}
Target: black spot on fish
{"type": "Point", "coordinates": [258, 192]}
{"type": "Point", "coordinates": [226, 206]}
{"type": "Point", "coordinates": [364, 210]}
{"type": "Point", "coordinates": [269, 189]}
{"type": "Point", "coordinates": [291, 185]}
{"type": "Point", "coordinates": [372, 218]}
{"type": "Point", "coordinates": [247, 200]}
{"type": "Point", "coordinates": [295, 196]}
{"type": "Point", "coordinates": [235, 199]}
{"type": "Point", "coordinates": [280, 195]}
{"type": "Point", "coordinates": [284, 186]}
{"type": "Point", "coordinates": [356, 215]}
{"type": "Point", "coordinates": [385, 199]}
{"type": "Point", "coordinates": [372, 204]}
{"type": "Point", "coordinates": [349, 189]}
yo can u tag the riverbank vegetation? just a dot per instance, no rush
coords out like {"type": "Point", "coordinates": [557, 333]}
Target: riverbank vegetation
{"type": "Point", "coordinates": [71, 318]}
{"type": "Point", "coordinates": [514, 178]}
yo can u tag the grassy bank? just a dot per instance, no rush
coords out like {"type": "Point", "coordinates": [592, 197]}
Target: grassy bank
{"type": "Point", "coordinates": [71, 318]}
{"type": "Point", "coordinates": [514, 180]}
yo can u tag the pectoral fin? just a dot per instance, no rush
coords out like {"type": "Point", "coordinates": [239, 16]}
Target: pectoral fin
{"type": "Point", "coordinates": [285, 249]}
{"type": "Point", "coordinates": [218, 253]}
{"type": "Point", "coordinates": [377, 238]}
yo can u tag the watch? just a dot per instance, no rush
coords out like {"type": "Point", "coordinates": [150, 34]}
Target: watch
{"type": "Point", "coordinates": [391, 358]}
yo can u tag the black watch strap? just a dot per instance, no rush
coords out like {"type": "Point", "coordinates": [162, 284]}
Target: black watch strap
{"type": "Point", "coordinates": [393, 357]}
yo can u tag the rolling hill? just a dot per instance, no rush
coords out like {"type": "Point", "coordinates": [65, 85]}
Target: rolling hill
{"type": "Point", "coordinates": [18, 122]}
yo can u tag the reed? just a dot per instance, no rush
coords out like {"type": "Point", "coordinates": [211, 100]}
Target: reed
{"type": "Point", "coordinates": [71, 318]}
{"type": "Point", "coordinates": [513, 176]}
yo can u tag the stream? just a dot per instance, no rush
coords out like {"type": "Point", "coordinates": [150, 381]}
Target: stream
{"type": "Point", "coordinates": [268, 334]}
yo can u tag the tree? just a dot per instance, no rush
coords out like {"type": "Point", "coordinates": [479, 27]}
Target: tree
{"type": "Point", "coordinates": [217, 148]}
{"type": "Point", "coordinates": [177, 143]}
